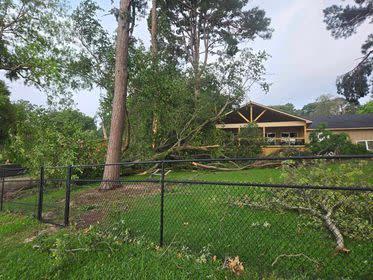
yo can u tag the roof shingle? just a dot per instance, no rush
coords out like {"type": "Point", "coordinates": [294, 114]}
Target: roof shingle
{"type": "Point", "coordinates": [343, 121]}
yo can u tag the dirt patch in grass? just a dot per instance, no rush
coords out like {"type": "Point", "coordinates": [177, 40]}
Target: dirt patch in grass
{"type": "Point", "coordinates": [94, 205]}
{"type": "Point", "coordinates": [90, 218]}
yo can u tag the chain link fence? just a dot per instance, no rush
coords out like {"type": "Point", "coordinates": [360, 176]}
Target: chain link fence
{"type": "Point", "coordinates": [279, 228]}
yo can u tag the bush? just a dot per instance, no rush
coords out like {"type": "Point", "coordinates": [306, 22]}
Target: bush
{"type": "Point", "coordinates": [323, 141]}
{"type": "Point", "coordinates": [41, 137]}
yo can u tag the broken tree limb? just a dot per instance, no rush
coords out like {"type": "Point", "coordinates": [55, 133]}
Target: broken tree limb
{"type": "Point", "coordinates": [341, 248]}
{"type": "Point", "coordinates": [296, 255]}
{"type": "Point", "coordinates": [248, 166]}
{"type": "Point", "coordinates": [329, 224]}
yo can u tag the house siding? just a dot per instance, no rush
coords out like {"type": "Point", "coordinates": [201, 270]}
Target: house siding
{"type": "Point", "coordinates": [356, 135]}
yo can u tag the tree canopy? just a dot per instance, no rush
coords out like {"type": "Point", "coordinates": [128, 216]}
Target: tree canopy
{"type": "Point", "coordinates": [343, 21]}
{"type": "Point", "coordinates": [194, 28]}
{"type": "Point", "coordinates": [33, 43]}
{"type": "Point", "coordinates": [367, 108]}
{"type": "Point", "coordinates": [324, 105]}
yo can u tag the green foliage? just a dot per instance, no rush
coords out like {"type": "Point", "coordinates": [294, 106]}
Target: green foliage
{"type": "Point", "coordinates": [33, 43]}
{"type": "Point", "coordinates": [247, 143]}
{"type": "Point", "coordinates": [95, 61]}
{"type": "Point", "coordinates": [367, 108]}
{"type": "Point", "coordinates": [287, 108]}
{"type": "Point", "coordinates": [222, 23]}
{"type": "Point", "coordinates": [324, 105]}
{"type": "Point", "coordinates": [323, 141]}
{"type": "Point", "coordinates": [327, 105]}
{"type": "Point", "coordinates": [351, 211]}
{"type": "Point", "coordinates": [52, 138]}
{"type": "Point", "coordinates": [175, 115]}
{"type": "Point", "coordinates": [7, 114]}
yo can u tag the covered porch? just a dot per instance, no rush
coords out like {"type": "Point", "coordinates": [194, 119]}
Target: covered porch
{"type": "Point", "coordinates": [279, 129]}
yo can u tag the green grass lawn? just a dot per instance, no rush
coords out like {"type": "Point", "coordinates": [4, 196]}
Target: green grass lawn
{"type": "Point", "coordinates": [205, 217]}
{"type": "Point", "coordinates": [53, 256]}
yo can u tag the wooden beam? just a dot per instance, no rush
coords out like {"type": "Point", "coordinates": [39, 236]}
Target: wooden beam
{"type": "Point", "coordinates": [242, 116]}
{"type": "Point", "coordinates": [264, 131]}
{"type": "Point", "coordinates": [251, 113]}
{"type": "Point", "coordinates": [262, 124]}
{"type": "Point", "coordinates": [305, 134]}
{"type": "Point", "coordinates": [261, 114]}
{"type": "Point", "coordinates": [239, 139]}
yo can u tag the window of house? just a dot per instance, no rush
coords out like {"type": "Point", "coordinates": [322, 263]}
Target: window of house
{"type": "Point", "coordinates": [289, 134]}
{"type": "Point", "coordinates": [368, 144]}
{"type": "Point", "coordinates": [271, 135]}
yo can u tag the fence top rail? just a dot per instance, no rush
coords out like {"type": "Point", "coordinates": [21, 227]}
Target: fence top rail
{"type": "Point", "coordinates": [7, 180]}
{"type": "Point", "coordinates": [233, 184]}
{"type": "Point", "coordinates": [170, 161]}
{"type": "Point", "coordinates": [12, 169]}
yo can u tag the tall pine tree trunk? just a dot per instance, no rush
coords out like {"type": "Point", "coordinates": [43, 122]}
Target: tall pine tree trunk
{"type": "Point", "coordinates": [154, 29]}
{"type": "Point", "coordinates": [154, 48]}
{"type": "Point", "coordinates": [112, 172]}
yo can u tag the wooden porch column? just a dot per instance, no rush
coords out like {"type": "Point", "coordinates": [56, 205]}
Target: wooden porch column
{"type": "Point", "coordinates": [305, 134]}
{"type": "Point", "coordinates": [264, 131]}
{"type": "Point", "coordinates": [238, 134]}
{"type": "Point", "coordinates": [251, 113]}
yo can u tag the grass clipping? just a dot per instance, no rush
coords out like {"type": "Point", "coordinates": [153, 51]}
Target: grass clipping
{"type": "Point", "coordinates": [234, 265]}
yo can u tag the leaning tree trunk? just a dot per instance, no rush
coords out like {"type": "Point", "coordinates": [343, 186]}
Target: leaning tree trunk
{"type": "Point", "coordinates": [112, 172]}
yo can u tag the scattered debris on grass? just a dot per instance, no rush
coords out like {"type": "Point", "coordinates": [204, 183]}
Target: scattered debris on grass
{"type": "Point", "coordinates": [234, 265]}
{"type": "Point", "coordinates": [317, 264]}
{"type": "Point", "coordinates": [51, 229]}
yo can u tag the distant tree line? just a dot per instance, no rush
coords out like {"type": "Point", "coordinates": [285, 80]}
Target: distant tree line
{"type": "Point", "coordinates": [327, 105]}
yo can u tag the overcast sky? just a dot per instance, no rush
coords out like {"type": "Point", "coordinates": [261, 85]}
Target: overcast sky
{"type": "Point", "coordinates": [305, 59]}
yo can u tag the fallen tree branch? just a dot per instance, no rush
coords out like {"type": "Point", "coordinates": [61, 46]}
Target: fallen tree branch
{"type": "Point", "coordinates": [182, 140]}
{"type": "Point", "coordinates": [251, 165]}
{"type": "Point", "coordinates": [296, 255]}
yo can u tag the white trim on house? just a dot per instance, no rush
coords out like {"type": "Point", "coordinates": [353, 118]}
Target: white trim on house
{"type": "Point", "coordinates": [268, 108]}
{"type": "Point", "coordinates": [343, 129]}
{"type": "Point", "coordinates": [366, 144]}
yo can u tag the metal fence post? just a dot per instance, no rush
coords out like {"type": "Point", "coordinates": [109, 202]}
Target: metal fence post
{"type": "Point", "coordinates": [2, 190]}
{"type": "Point", "coordinates": [40, 198]}
{"type": "Point", "coordinates": [67, 197]}
{"type": "Point", "coordinates": [161, 230]}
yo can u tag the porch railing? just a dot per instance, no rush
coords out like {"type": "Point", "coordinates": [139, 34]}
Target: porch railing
{"type": "Point", "coordinates": [285, 141]}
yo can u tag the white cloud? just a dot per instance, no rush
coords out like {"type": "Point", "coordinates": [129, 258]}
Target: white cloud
{"type": "Point", "coordinates": [305, 58]}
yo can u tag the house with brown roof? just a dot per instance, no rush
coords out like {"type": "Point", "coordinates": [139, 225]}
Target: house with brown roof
{"type": "Point", "coordinates": [282, 130]}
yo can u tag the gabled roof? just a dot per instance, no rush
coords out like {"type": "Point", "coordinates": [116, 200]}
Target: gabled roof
{"type": "Point", "coordinates": [343, 121]}
{"type": "Point", "coordinates": [270, 114]}
{"type": "Point", "coordinates": [281, 112]}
